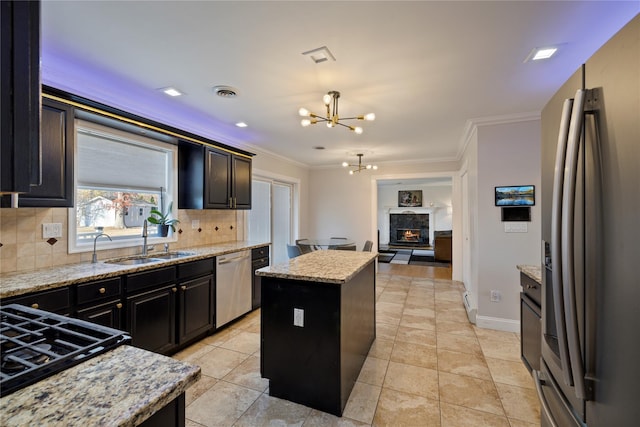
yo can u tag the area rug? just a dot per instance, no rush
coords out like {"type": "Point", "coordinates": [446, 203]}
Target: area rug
{"type": "Point", "coordinates": [428, 261]}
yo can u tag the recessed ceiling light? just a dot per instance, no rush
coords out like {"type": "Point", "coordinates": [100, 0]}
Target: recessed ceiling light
{"type": "Point", "coordinates": [539, 53]}
{"type": "Point", "coordinates": [171, 91]}
{"type": "Point", "coordinates": [241, 124]}
{"type": "Point", "coordinates": [225, 91]}
{"type": "Point", "coordinates": [320, 54]}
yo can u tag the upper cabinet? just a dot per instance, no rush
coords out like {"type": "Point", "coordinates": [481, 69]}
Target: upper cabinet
{"type": "Point", "coordinates": [20, 100]}
{"type": "Point", "coordinates": [212, 178]}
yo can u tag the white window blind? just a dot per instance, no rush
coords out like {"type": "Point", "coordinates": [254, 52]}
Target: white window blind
{"type": "Point", "coordinates": [108, 158]}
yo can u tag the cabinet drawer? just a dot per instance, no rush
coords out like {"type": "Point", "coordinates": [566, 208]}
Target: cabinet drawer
{"type": "Point", "coordinates": [147, 279]}
{"type": "Point", "coordinates": [261, 252]}
{"type": "Point", "coordinates": [56, 300]}
{"type": "Point", "coordinates": [195, 268]}
{"type": "Point", "coordinates": [531, 288]}
{"type": "Point", "coordinates": [96, 291]}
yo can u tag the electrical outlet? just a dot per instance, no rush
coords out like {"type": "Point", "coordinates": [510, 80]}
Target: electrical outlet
{"type": "Point", "coordinates": [298, 317]}
{"type": "Point", "coordinates": [51, 230]}
{"type": "Point", "coordinates": [195, 224]}
{"type": "Point", "coordinates": [495, 296]}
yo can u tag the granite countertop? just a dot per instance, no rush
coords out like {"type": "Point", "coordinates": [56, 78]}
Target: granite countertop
{"type": "Point", "coordinates": [19, 283]}
{"type": "Point", "coordinates": [122, 387]}
{"type": "Point", "coordinates": [533, 271]}
{"type": "Point", "coordinates": [328, 266]}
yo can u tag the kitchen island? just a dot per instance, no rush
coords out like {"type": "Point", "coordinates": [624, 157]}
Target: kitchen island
{"type": "Point", "coordinates": [123, 387]}
{"type": "Point", "coordinates": [317, 326]}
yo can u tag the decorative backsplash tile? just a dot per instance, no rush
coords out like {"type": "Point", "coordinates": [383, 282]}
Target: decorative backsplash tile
{"type": "Point", "coordinates": [23, 247]}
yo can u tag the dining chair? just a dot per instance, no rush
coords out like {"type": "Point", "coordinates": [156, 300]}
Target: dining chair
{"type": "Point", "coordinates": [293, 251]}
{"type": "Point", "coordinates": [305, 249]}
{"type": "Point", "coordinates": [346, 248]}
{"type": "Point", "coordinates": [335, 246]}
{"type": "Point", "coordinates": [367, 246]}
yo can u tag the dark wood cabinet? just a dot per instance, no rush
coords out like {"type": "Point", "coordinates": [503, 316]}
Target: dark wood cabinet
{"type": "Point", "coordinates": [151, 319]}
{"type": "Point", "coordinates": [195, 313]}
{"type": "Point", "coordinates": [20, 100]}
{"type": "Point", "coordinates": [212, 178]}
{"type": "Point", "coordinates": [57, 140]}
{"type": "Point", "coordinates": [56, 300]}
{"type": "Point", "coordinates": [530, 322]}
{"type": "Point", "coordinates": [259, 259]}
{"type": "Point", "coordinates": [101, 302]}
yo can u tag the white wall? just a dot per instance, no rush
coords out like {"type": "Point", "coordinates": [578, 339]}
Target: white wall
{"type": "Point", "coordinates": [507, 154]}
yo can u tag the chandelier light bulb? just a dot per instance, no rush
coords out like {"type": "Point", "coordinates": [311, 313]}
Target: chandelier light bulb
{"type": "Point", "coordinates": [350, 172]}
{"type": "Point", "coordinates": [370, 117]}
{"type": "Point", "coordinates": [368, 166]}
{"type": "Point", "coordinates": [345, 164]}
{"type": "Point", "coordinates": [305, 122]}
{"type": "Point", "coordinates": [304, 112]}
{"type": "Point", "coordinates": [375, 168]}
{"type": "Point", "coordinates": [357, 130]}
{"type": "Point", "coordinates": [326, 99]}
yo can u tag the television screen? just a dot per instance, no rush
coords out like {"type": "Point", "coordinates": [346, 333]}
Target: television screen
{"type": "Point", "coordinates": [515, 195]}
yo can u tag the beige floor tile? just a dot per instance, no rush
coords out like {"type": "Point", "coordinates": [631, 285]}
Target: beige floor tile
{"type": "Point", "coordinates": [389, 307]}
{"type": "Point", "coordinates": [419, 312]}
{"type": "Point", "coordinates": [496, 335]}
{"type": "Point", "coordinates": [373, 371]}
{"type": "Point", "coordinates": [418, 322]}
{"type": "Point", "coordinates": [460, 343]}
{"type": "Point", "coordinates": [381, 348]}
{"type": "Point", "coordinates": [193, 352]}
{"type": "Point", "coordinates": [220, 361]}
{"type": "Point", "coordinates": [453, 315]}
{"type": "Point", "coordinates": [221, 405]}
{"type": "Point", "coordinates": [396, 408]}
{"type": "Point", "coordinates": [416, 336]}
{"type": "Point", "coordinates": [469, 392]}
{"type": "Point", "coordinates": [388, 318]}
{"type": "Point", "coordinates": [520, 423]}
{"type": "Point", "coordinates": [362, 402]}
{"type": "Point", "coordinates": [386, 330]}
{"type": "Point", "coordinates": [415, 354]}
{"type": "Point", "coordinates": [458, 328]}
{"type": "Point", "coordinates": [472, 365]}
{"type": "Point", "coordinates": [520, 403]}
{"type": "Point", "coordinates": [322, 419]}
{"type": "Point", "coordinates": [509, 372]}
{"type": "Point", "coordinates": [247, 374]}
{"type": "Point", "coordinates": [500, 349]}
{"type": "Point", "coordinates": [199, 388]}
{"type": "Point", "coordinates": [459, 416]}
{"type": "Point", "coordinates": [393, 296]}
{"type": "Point", "coordinates": [189, 423]}
{"type": "Point", "coordinates": [243, 342]}
{"type": "Point", "coordinates": [220, 336]}
{"type": "Point", "coordinates": [449, 295]}
{"type": "Point", "coordinates": [268, 410]}
{"type": "Point", "coordinates": [412, 379]}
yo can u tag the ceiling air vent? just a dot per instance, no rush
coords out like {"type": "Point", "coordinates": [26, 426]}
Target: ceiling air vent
{"type": "Point", "coordinates": [225, 91]}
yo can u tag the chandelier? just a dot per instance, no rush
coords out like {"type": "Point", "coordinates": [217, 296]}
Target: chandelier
{"type": "Point", "coordinates": [359, 167]}
{"type": "Point", "coordinates": [332, 118]}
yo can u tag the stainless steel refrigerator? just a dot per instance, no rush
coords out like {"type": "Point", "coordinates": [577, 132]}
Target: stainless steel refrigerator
{"type": "Point", "coordinates": [590, 365]}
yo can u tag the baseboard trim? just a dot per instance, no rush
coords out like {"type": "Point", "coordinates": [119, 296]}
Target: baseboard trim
{"type": "Point", "coordinates": [498, 323]}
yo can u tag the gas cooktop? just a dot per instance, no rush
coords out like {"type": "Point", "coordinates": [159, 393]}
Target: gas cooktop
{"type": "Point", "coordinates": [35, 344]}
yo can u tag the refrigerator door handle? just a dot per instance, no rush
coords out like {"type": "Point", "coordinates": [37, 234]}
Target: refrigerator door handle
{"type": "Point", "coordinates": [556, 227]}
{"type": "Point", "coordinates": [544, 405]}
{"type": "Point", "coordinates": [568, 250]}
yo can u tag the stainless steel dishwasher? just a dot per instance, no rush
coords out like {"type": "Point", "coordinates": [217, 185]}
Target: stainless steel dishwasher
{"type": "Point", "coordinates": [233, 286]}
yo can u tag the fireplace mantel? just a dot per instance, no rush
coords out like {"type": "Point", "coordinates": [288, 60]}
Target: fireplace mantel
{"type": "Point", "coordinates": [411, 210]}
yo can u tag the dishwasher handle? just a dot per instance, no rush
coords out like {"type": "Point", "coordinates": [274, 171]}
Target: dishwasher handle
{"type": "Point", "coordinates": [237, 258]}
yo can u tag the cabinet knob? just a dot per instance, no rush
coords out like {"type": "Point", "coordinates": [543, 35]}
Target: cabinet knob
{"type": "Point", "coordinates": [35, 305]}
{"type": "Point", "coordinates": [119, 305]}
{"type": "Point", "coordinates": [102, 290]}
{"type": "Point", "coordinates": [183, 287]}
{"type": "Point", "coordinates": [174, 289]}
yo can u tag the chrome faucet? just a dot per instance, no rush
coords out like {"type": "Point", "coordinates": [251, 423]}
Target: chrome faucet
{"type": "Point", "coordinates": [144, 236]}
{"type": "Point", "coordinates": [94, 258]}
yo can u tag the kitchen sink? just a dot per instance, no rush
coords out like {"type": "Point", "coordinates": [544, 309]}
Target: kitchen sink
{"type": "Point", "coordinates": [172, 255]}
{"type": "Point", "coordinates": [132, 261]}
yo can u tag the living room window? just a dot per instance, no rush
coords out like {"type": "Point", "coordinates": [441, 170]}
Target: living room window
{"type": "Point", "coordinates": [119, 177]}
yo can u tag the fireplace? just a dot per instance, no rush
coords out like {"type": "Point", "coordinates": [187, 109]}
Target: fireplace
{"type": "Point", "coordinates": [409, 228]}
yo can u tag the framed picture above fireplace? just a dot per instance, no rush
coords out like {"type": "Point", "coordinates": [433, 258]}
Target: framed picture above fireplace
{"type": "Point", "coordinates": [412, 198]}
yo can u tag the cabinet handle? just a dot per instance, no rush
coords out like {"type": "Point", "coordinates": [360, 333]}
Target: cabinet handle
{"type": "Point", "coordinates": [183, 287]}
{"type": "Point", "coordinates": [35, 305]}
{"type": "Point", "coordinates": [174, 289]}
{"type": "Point", "coordinates": [230, 202]}
{"type": "Point", "coordinates": [119, 305]}
{"type": "Point", "coordinates": [102, 290]}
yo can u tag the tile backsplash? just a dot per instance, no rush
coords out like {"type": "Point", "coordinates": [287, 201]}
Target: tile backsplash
{"type": "Point", "coordinates": [22, 247]}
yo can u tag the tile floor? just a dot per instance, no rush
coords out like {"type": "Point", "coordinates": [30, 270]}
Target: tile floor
{"type": "Point", "coordinates": [428, 367]}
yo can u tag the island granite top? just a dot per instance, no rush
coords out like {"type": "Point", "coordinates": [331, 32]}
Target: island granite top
{"type": "Point", "coordinates": [533, 271]}
{"type": "Point", "coordinates": [327, 266]}
{"type": "Point", "coordinates": [122, 387]}
{"type": "Point", "coordinates": [23, 282]}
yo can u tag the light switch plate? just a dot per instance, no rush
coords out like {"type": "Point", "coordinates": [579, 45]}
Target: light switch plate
{"type": "Point", "coordinates": [298, 317]}
{"type": "Point", "coordinates": [53, 229]}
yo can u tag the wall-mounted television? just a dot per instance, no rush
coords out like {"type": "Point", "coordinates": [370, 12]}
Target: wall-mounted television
{"type": "Point", "coordinates": [516, 195]}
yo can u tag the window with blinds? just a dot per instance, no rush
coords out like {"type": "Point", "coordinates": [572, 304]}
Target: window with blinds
{"type": "Point", "coordinates": [120, 176]}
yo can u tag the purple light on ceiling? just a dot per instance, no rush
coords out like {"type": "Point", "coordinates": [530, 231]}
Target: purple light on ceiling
{"type": "Point", "coordinates": [75, 76]}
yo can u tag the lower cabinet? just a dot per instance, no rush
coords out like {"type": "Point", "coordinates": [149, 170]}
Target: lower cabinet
{"type": "Point", "coordinates": [195, 313]}
{"type": "Point", "coordinates": [108, 314]}
{"type": "Point", "coordinates": [151, 319]}
{"type": "Point", "coordinates": [101, 302]}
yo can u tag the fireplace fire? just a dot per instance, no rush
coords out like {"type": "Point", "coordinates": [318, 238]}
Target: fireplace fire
{"type": "Point", "coordinates": [409, 229]}
{"type": "Point", "coordinates": [409, 235]}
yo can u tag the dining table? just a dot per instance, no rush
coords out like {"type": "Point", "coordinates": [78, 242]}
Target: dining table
{"type": "Point", "coordinates": [326, 243]}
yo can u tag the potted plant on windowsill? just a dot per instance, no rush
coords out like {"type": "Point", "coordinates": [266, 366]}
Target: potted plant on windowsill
{"type": "Point", "coordinates": [163, 221]}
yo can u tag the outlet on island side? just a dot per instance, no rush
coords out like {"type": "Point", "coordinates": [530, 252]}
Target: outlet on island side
{"type": "Point", "coordinates": [298, 317]}
{"type": "Point", "coordinates": [496, 296]}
